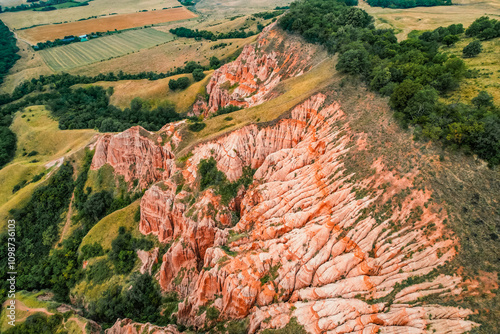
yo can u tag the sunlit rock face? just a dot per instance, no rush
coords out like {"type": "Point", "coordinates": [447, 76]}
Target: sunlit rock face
{"type": "Point", "coordinates": [252, 77]}
{"type": "Point", "coordinates": [137, 154]}
{"type": "Point", "coordinates": [303, 240]}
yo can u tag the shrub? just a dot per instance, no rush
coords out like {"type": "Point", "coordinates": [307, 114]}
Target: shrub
{"type": "Point", "coordinates": [198, 74]}
{"type": "Point", "coordinates": [212, 313]}
{"type": "Point", "coordinates": [472, 49]}
{"type": "Point", "coordinates": [92, 250]}
{"type": "Point", "coordinates": [99, 272]}
{"type": "Point", "coordinates": [196, 127]}
{"type": "Point", "coordinates": [179, 84]}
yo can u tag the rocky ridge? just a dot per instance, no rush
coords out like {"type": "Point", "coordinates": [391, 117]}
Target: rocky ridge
{"type": "Point", "coordinates": [251, 79]}
{"type": "Point", "coordinates": [307, 244]}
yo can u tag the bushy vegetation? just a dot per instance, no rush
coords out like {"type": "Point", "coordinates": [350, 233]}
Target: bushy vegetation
{"type": "Point", "coordinates": [414, 73]}
{"type": "Point", "coordinates": [196, 126]}
{"type": "Point", "coordinates": [198, 74]}
{"type": "Point", "coordinates": [91, 250]}
{"type": "Point", "coordinates": [141, 302]}
{"type": "Point", "coordinates": [8, 50]}
{"type": "Point", "coordinates": [293, 327]}
{"type": "Point", "coordinates": [210, 176]}
{"type": "Point", "coordinates": [408, 3]}
{"type": "Point", "coordinates": [7, 145]}
{"type": "Point", "coordinates": [122, 254]}
{"type": "Point", "coordinates": [269, 15]}
{"type": "Point", "coordinates": [484, 28]}
{"type": "Point", "coordinates": [37, 230]}
{"type": "Point", "coordinates": [472, 49]}
{"type": "Point", "coordinates": [227, 109]}
{"type": "Point", "coordinates": [179, 84]}
{"type": "Point", "coordinates": [88, 108]}
{"type": "Point", "coordinates": [38, 323]}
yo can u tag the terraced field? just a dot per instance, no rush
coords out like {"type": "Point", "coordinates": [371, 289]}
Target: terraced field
{"type": "Point", "coordinates": [79, 54]}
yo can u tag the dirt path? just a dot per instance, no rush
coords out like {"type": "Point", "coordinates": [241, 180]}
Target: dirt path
{"type": "Point", "coordinates": [20, 306]}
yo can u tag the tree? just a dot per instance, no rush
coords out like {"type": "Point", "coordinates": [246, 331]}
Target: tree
{"type": "Point", "coordinates": [472, 49]}
{"type": "Point", "coordinates": [181, 83]}
{"type": "Point", "coordinates": [483, 99]}
{"type": "Point", "coordinates": [198, 74]}
{"type": "Point", "coordinates": [354, 61]}
{"type": "Point", "coordinates": [214, 62]}
{"type": "Point", "coordinates": [403, 93]}
{"type": "Point", "coordinates": [172, 84]}
{"type": "Point", "coordinates": [450, 39]}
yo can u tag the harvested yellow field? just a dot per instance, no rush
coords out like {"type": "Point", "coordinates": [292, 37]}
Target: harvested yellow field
{"type": "Point", "coordinates": [427, 18]}
{"type": "Point", "coordinates": [155, 92]}
{"type": "Point", "coordinates": [110, 23]}
{"type": "Point", "coordinates": [96, 8]}
{"type": "Point", "coordinates": [488, 65]}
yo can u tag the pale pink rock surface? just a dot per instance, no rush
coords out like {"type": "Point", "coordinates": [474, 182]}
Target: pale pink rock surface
{"type": "Point", "coordinates": [306, 245]}
{"type": "Point", "coordinates": [148, 259]}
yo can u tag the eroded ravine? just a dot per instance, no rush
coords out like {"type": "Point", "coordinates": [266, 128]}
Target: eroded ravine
{"type": "Point", "coordinates": [308, 244]}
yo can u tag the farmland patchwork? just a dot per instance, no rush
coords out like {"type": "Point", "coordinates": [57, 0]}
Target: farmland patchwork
{"type": "Point", "coordinates": [79, 54]}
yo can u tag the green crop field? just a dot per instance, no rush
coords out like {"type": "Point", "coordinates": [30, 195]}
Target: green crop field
{"type": "Point", "coordinates": [80, 54]}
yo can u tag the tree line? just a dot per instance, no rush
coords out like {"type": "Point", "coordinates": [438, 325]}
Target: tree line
{"type": "Point", "coordinates": [8, 57]}
{"type": "Point", "coordinates": [44, 5]}
{"type": "Point", "coordinates": [408, 3]}
{"type": "Point", "coordinates": [414, 73]}
{"type": "Point", "coordinates": [205, 34]}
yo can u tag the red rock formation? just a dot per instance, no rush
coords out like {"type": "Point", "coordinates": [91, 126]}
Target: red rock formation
{"type": "Point", "coordinates": [134, 154]}
{"type": "Point", "coordinates": [251, 78]}
{"type": "Point", "coordinates": [127, 326]}
{"type": "Point", "coordinates": [306, 245]}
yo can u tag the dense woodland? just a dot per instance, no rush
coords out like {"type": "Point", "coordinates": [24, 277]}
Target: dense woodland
{"type": "Point", "coordinates": [414, 73]}
{"type": "Point", "coordinates": [8, 57]}
{"type": "Point", "coordinates": [408, 3]}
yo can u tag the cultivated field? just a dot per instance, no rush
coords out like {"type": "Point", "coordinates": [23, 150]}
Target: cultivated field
{"type": "Point", "coordinates": [79, 54]}
{"type": "Point", "coordinates": [426, 18]}
{"type": "Point", "coordinates": [110, 23]}
{"type": "Point", "coordinates": [18, 20]}
{"type": "Point", "coordinates": [229, 8]}
{"type": "Point", "coordinates": [164, 57]}
{"type": "Point", "coordinates": [31, 65]}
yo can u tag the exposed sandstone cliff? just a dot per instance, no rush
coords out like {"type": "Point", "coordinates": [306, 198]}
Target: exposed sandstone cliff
{"type": "Point", "coordinates": [309, 243]}
{"type": "Point", "coordinates": [252, 77]}
{"type": "Point", "coordinates": [138, 154]}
